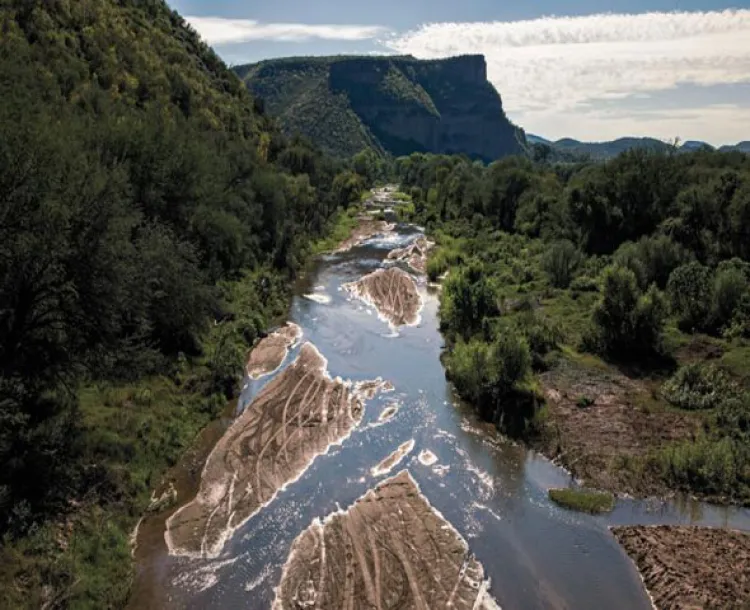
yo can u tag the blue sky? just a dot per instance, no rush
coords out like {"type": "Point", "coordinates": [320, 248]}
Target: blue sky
{"type": "Point", "coordinates": [584, 69]}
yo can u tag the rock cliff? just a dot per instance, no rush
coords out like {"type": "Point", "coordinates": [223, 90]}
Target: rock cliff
{"type": "Point", "coordinates": [395, 104]}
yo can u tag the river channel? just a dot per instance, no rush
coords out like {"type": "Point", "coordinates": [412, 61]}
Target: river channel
{"type": "Point", "coordinates": [493, 491]}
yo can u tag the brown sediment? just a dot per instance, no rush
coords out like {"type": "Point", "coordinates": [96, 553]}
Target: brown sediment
{"type": "Point", "coordinates": [414, 255]}
{"type": "Point", "coordinates": [389, 550]}
{"type": "Point", "coordinates": [270, 352]}
{"type": "Point", "coordinates": [296, 417]}
{"type": "Point", "coordinates": [366, 228]}
{"type": "Point", "coordinates": [690, 567]}
{"type": "Point", "coordinates": [621, 422]}
{"type": "Point", "coordinates": [392, 292]}
{"type": "Point", "coordinates": [394, 459]}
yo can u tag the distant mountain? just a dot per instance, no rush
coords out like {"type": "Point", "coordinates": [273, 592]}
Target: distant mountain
{"type": "Point", "coordinates": [694, 145]}
{"type": "Point", "coordinates": [741, 146]}
{"type": "Point", "coordinates": [607, 150]}
{"type": "Point", "coordinates": [533, 139]}
{"type": "Point", "coordinates": [398, 104]}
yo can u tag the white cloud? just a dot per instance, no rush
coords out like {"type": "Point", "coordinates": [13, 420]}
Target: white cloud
{"type": "Point", "coordinates": [218, 30]}
{"type": "Point", "coordinates": [556, 68]}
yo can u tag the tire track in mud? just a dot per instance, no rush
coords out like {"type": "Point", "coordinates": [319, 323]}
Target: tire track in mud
{"type": "Point", "coordinates": [390, 550]}
{"type": "Point", "coordinates": [296, 417]}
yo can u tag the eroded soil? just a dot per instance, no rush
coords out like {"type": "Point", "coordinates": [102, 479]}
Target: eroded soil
{"type": "Point", "coordinates": [600, 418]}
{"type": "Point", "coordinates": [393, 292]}
{"type": "Point", "coordinates": [296, 417]}
{"type": "Point", "coordinates": [270, 352]}
{"type": "Point", "coordinates": [389, 550]}
{"type": "Point", "coordinates": [366, 228]}
{"type": "Point", "coordinates": [414, 255]}
{"type": "Point", "coordinates": [690, 567]}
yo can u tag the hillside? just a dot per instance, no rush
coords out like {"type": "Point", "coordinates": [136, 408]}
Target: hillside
{"type": "Point", "coordinates": [607, 150]}
{"type": "Point", "coordinates": [398, 105]}
{"type": "Point", "coordinates": [151, 221]}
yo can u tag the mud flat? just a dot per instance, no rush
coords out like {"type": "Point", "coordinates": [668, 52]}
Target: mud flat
{"type": "Point", "coordinates": [295, 418]}
{"type": "Point", "coordinates": [390, 549]}
{"type": "Point", "coordinates": [366, 228]}
{"type": "Point", "coordinates": [393, 292]}
{"type": "Point", "coordinates": [270, 352]}
{"type": "Point", "coordinates": [414, 255]}
{"type": "Point", "coordinates": [690, 567]}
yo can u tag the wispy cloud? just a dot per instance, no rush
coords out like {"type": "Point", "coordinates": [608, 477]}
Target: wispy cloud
{"type": "Point", "coordinates": [219, 30]}
{"type": "Point", "coordinates": [557, 66]}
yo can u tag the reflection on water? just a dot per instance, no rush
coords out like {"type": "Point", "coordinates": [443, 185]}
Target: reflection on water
{"type": "Point", "coordinates": [491, 489]}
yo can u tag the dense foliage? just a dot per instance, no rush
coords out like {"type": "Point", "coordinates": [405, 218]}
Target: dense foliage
{"type": "Point", "coordinates": [150, 218]}
{"type": "Point", "coordinates": [626, 259]}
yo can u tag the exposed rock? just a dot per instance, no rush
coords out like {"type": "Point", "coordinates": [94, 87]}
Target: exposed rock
{"type": "Point", "coordinates": [394, 459]}
{"type": "Point", "coordinates": [366, 228]}
{"type": "Point", "coordinates": [270, 352]}
{"type": "Point", "coordinates": [392, 104]}
{"type": "Point", "coordinates": [393, 292]}
{"type": "Point", "coordinates": [690, 567]}
{"type": "Point", "coordinates": [389, 550]}
{"type": "Point", "coordinates": [414, 255]}
{"type": "Point", "coordinates": [296, 417]}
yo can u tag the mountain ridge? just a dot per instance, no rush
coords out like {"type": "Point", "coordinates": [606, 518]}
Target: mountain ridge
{"type": "Point", "coordinates": [394, 104]}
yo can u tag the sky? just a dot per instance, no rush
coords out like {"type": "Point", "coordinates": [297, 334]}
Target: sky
{"type": "Point", "coordinates": [586, 69]}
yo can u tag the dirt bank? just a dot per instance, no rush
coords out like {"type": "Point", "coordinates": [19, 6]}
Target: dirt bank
{"type": "Point", "coordinates": [393, 292]}
{"type": "Point", "coordinates": [270, 352]}
{"type": "Point", "coordinates": [414, 255]}
{"type": "Point", "coordinates": [389, 550]}
{"type": "Point", "coordinates": [598, 419]}
{"type": "Point", "coordinates": [366, 228]}
{"type": "Point", "coordinates": [690, 567]}
{"type": "Point", "coordinates": [295, 418]}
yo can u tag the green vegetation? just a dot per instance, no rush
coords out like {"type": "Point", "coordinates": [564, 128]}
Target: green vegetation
{"type": "Point", "coordinates": [394, 105]}
{"type": "Point", "coordinates": [633, 264]}
{"type": "Point", "coordinates": [583, 500]}
{"type": "Point", "coordinates": [152, 218]}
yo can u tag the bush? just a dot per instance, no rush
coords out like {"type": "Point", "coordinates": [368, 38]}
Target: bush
{"type": "Point", "coordinates": [467, 299]}
{"type": "Point", "coordinates": [690, 292]}
{"type": "Point", "coordinates": [560, 262]}
{"type": "Point", "coordinates": [730, 286]}
{"type": "Point", "coordinates": [627, 323]}
{"type": "Point", "coordinates": [698, 386]}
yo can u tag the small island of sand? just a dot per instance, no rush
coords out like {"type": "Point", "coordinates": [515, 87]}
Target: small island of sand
{"type": "Point", "coordinates": [393, 292]}
{"type": "Point", "coordinates": [270, 351]}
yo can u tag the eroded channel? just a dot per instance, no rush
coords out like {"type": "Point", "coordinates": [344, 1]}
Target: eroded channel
{"type": "Point", "coordinates": [277, 495]}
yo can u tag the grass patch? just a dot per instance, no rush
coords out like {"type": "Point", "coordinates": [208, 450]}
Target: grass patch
{"type": "Point", "coordinates": [583, 500]}
{"type": "Point", "coordinates": [340, 229]}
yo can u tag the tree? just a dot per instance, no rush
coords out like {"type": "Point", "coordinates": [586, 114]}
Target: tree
{"type": "Point", "coordinates": [690, 291]}
{"type": "Point", "coordinates": [627, 322]}
{"type": "Point", "coordinates": [560, 261]}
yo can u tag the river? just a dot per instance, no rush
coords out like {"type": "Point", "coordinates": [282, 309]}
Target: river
{"type": "Point", "coordinates": [492, 490]}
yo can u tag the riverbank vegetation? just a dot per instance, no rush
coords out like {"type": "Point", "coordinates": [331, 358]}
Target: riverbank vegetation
{"type": "Point", "coordinates": [635, 270]}
{"type": "Point", "coordinates": [583, 500]}
{"type": "Point", "coordinates": [152, 217]}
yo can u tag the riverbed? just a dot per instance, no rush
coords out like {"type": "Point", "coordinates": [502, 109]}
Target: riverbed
{"type": "Point", "coordinates": [492, 491]}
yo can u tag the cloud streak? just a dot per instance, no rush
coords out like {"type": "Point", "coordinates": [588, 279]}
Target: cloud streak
{"type": "Point", "coordinates": [219, 30]}
{"type": "Point", "coordinates": [556, 66]}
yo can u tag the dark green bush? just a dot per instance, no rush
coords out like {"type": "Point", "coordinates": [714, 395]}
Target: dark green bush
{"type": "Point", "coordinates": [560, 262]}
{"type": "Point", "coordinates": [698, 386]}
{"type": "Point", "coordinates": [690, 292]}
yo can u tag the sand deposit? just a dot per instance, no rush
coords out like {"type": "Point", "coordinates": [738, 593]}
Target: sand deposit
{"type": "Point", "coordinates": [394, 294]}
{"type": "Point", "coordinates": [270, 352]}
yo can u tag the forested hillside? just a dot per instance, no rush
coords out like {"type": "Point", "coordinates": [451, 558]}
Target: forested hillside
{"type": "Point", "coordinates": [619, 291]}
{"type": "Point", "coordinates": [396, 105]}
{"type": "Point", "coordinates": [150, 219]}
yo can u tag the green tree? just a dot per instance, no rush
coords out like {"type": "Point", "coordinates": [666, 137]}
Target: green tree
{"type": "Point", "coordinates": [690, 292]}
{"type": "Point", "coordinates": [560, 261]}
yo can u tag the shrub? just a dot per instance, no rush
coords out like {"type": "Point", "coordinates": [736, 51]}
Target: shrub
{"type": "Point", "coordinates": [468, 298]}
{"type": "Point", "coordinates": [560, 262]}
{"type": "Point", "coordinates": [628, 256]}
{"type": "Point", "coordinates": [730, 286]}
{"type": "Point", "coordinates": [690, 291]}
{"type": "Point", "coordinates": [626, 322]}
{"type": "Point", "coordinates": [698, 386]}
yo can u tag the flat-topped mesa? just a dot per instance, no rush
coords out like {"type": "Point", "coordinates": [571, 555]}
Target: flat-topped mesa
{"type": "Point", "coordinates": [393, 292]}
{"type": "Point", "coordinates": [269, 353]}
{"type": "Point", "coordinates": [393, 104]}
{"type": "Point", "coordinates": [296, 417]}
{"type": "Point", "coordinates": [390, 549]}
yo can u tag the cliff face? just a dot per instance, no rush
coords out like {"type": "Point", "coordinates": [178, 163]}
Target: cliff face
{"type": "Point", "coordinates": [397, 104]}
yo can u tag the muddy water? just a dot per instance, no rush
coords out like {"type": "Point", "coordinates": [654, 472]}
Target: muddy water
{"type": "Point", "coordinates": [492, 490]}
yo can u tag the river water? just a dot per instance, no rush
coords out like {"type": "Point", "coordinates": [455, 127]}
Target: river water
{"type": "Point", "coordinates": [493, 491]}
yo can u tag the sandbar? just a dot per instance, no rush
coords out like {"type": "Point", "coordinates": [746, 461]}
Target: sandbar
{"type": "Point", "coordinates": [394, 294]}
